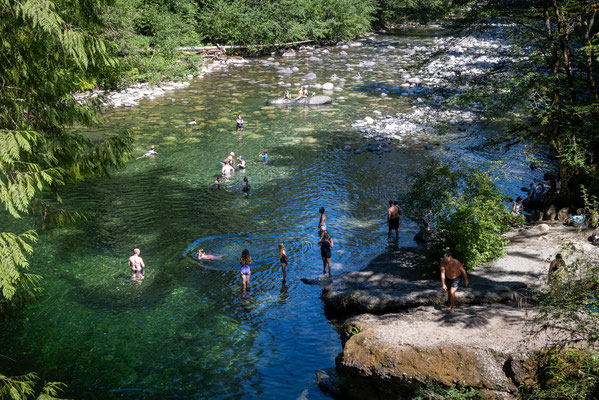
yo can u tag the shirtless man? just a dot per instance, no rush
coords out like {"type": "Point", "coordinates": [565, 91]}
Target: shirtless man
{"type": "Point", "coordinates": [393, 218]}
{"type": "Point", "coordinates": [451, 275]}
{"type": "Point", "coordinates": [228, 169]}
{"type": "Point", "coordinates": [136, 262]}
{"type": "Point", "coordinates": [230, 159]}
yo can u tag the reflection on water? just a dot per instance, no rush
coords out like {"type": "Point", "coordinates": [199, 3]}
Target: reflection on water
{"type": "Point", "coordinates": [188, 330]}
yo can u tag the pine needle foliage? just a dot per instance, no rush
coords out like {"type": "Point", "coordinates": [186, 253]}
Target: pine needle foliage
{"type": "Point", "coordinates": [45, 48]}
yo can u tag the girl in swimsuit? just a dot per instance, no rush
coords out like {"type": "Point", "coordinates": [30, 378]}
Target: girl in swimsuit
{"type": "Point", "coordinates": [239, 122]}
{"type": "Point", "coordinates": [283, 259]}
{"type": "Point", "coordinates": [245, 260]}
{"type": "Point", "coordinates": [326, 243]}
{"type": "Point", "coordinates": [322, 224]}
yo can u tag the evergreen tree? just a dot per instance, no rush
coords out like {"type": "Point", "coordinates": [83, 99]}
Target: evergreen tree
{"type": "Point", "coordinates": [46, 48]}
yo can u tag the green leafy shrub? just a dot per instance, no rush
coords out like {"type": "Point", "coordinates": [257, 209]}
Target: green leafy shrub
{"type": "Point", "coordinates": [571, 373]}
{"type": "Point", "coordinates": [435, 391]}
{"type": "Point", "coordinates": [465, 207]}
{"type": "Point", "coordinates": [591, 205]}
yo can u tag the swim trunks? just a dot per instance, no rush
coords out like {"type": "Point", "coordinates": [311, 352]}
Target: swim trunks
{"type": "Point", "coordinates": [239, 126]}
{"type": "Point", "coordinates": [394, 223]}
{"type": "Point", "coordinates": [284, 259]}
{"type": "Point", "coordinates": [325, 249]}
{"type": "Point", "coordinates": [453, 282]}
{"type": "Point", "coordinates": [245, 269]}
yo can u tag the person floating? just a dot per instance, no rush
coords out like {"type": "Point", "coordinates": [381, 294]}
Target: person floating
{"type": "Point", "coordinates": [322, 222]}
{"type": "Point", "coordinates": [451, 273]}
{"type": "Point", "coordinates": [136, 262]}
{"type": "Point", "coordinates": [393, 218]}
{"type": "Point", "coordinates": [217, 183]}
{"type": "Point", "coordinates": [245, 260]}
{"type": "Point", "coordinates": [239, 122]}
{"type": "Point", "coordinates": [283, 259]}
{"type": "Point", "coordinates": [554, 266]}
{"type": "Point", "coordinates": [264, 156]}
{"type": "Point", "coordinates": [192, 122]}
{"type": "Point", "coordinates": [240, 162]}
{"type": "Point", "coordinates": [201, 255]}
{"type": "Point", "coordinates": [246, 185]}
{"type": "Point", "coordinates": [150, 153]}
{"type": "Point", "coordinates": [325, 243]}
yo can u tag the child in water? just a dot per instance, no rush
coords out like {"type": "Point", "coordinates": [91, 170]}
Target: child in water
{"type": "Point", "coordinates": [245, 260]}
{"type": "Point", "coordinates": [239, 121]}
{"type": "Point", "coordinates": [283, 259]}
{"type": "Point", "coordinates": [246, 185]}
{"type": "Point", "coordinates": [264, 156]}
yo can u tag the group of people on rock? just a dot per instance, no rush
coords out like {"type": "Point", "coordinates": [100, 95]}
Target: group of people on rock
{"type": "Point", "coordinates": [537, 193]}
{"type": "Point", "coordinates": [302, 94]}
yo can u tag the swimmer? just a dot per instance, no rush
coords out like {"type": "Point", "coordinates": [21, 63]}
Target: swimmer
{"type": "Point", "coordinates": [287, 96]}
{"type": "Point", "coordinates": [283, 259]}
{"type": "Point", "coordinates": [217, 182]}
{"type": "Point", "coordinates": [245, 260]}
{"type": "Point", "coordinates": [246, 185]}
{"type": "Point", "coordinates": [149, 153]}
{"type": "Point", "coordinates": [193, 122]}
{"type": "Point", "coordinates": [136, 262]}
{"type": "Point", "coordinates": [228, 169]}
{"type": "Point", "coordinates": [239, 122]}
{"type": "Point", "coordinates": [241, 162]}
{"type": "Point", "coordinates": [201, 255]}
{"type": "Point", "coordinates": [264, 156]}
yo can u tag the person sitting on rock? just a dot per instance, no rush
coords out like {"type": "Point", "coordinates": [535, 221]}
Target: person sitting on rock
{"type": "Point", "coordinates": [287, 96]}
{"type": "Point", "coordinates": [517, 206]}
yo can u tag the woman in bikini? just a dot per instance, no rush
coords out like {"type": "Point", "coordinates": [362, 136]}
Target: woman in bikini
{"type": "Point", "coordinates": [245, 260]}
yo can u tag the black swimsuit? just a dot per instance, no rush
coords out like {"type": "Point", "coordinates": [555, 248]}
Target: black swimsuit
{"type": "Point", "coordinates": [284, 259]}
{"type": "Point", "coordinates": [325, 249]}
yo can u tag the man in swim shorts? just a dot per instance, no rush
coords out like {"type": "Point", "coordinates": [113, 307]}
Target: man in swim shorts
{"type": "Point", "coordinates": [393, 218]}
{"type": "Point", "coordinates": [554, 266]}
{"type": "Point", "coordinates": [451, 273]}
{"type": "Point", "coordinates": [136, 262]}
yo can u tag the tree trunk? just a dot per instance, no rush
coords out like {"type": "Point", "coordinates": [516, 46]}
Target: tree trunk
{"type": "Point", "coordinates": [587, 24]}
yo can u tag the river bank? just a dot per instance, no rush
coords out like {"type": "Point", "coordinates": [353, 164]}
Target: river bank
{"type": "Point", "coordinates": [397, 336]}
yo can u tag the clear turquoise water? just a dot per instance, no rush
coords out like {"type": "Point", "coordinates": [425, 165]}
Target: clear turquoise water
{"type": "Point", "coordinates": [189, 331]}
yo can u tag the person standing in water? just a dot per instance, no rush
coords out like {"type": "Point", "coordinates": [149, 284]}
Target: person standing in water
{"type": "Point", "coordinates": [393, 218]}
{"type": "Point", "coordinates": [240, 162]}
{"type": "Point", "coordinates": [451, 275]}
{"type": "Point", "coordinates": [136, 262]}
{"type": "Point", "coordinates": [239, 122]}
{"type": "Point", "coordinates": [322, 223]}
{"type": "Point", "coordinates": [245, 260]}
{"type": "Point", "coordinates": [326, 243]}
{"type": "Point", "coordinates": [246, 185]}
{"type": "Point", "coordinates": [283, 259]}
{"type": "Point", "coordinates": [217, 183]}
{"type": "Point", "coordinates": [264, 156]}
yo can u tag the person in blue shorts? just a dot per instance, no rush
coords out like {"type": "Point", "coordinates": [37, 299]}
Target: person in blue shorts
{"type": "Point", "coordinates": [264, 156]}
{"type": "Point", "coordinates": [451, 276]}
{"type": "Point", "coordinates": [150, 153]}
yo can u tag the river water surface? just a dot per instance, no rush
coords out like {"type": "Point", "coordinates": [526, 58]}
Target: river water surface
{"type": "Point", "coordinates": [189, 331]}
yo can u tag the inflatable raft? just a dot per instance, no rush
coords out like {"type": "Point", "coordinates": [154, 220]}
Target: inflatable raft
{"type": "Point", "coordinates": [306, 101]}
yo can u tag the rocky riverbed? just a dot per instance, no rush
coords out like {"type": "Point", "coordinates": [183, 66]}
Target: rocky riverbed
{"type": "Point", "coordinates": [397, 334]}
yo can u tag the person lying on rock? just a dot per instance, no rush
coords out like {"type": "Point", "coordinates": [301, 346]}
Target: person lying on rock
{"type": "Point", "coordinates": [451, 276]}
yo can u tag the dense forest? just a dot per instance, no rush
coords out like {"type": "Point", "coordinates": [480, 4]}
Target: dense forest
{"type": "Point", "coordinates": [73, 46]}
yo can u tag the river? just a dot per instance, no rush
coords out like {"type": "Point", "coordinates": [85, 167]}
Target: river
{"type": "Point", "coordinates": [189, 331]}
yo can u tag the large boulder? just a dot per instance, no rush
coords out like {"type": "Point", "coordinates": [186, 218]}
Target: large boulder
{"type": "Point", "coordinates": [387, 357]}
